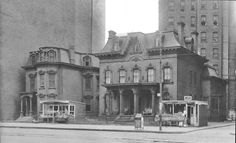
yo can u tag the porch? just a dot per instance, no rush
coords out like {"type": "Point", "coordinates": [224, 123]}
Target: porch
{"type": "Point", "coordinates": [131, 98]}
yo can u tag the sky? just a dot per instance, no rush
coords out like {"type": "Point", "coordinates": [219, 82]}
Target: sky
{"type": "Point", "coordinates": [124, 16]}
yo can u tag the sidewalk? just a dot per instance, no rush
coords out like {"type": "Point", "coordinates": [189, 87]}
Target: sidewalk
{"type": "Point", "coordinates": [114, 128]}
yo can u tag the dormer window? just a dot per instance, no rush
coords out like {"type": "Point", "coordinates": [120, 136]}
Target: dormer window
{"type": "Point", "coordinates": [116, 46]}
{"type": "Point", "coordinates": [51, 56]}
{"type": "Point", "coordinates": [33, 59]}
{"type": "Point", "coordinates": [87, 61]}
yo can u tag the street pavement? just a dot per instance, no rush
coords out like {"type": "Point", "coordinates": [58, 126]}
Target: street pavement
{"type": "Point", "coordinates": [216, 134]}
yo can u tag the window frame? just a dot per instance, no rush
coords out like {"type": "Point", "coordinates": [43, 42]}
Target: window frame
{"type": "Point", "coordinates": [150, 77]}
{"type": "Point", "coordinates": [87, 61]}
{"type": "Point", "coordinates": [136, 75]}
{"type": "Point", "coordinates": [107, 77]}
{"type": "Point", "coordinates": [167, 74]}
{"type": "Point", "coordinates": [203, 36]}
{"type": "Point", "coordinates": [122, 77]}
{"type": "Point", "coordinates": [215, 53]}
{"type": "Point", "coordinates": [203, 20]}
{"type": "Point", "coordinates": [215, 36]}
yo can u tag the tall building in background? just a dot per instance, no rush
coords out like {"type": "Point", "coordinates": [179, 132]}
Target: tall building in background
{"type": "Point", "coordinates": [26, 25]}
{"type": "Point", "coordinates": [212, 24]}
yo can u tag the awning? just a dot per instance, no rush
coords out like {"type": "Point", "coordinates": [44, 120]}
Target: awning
{"type": "Point", "coordinates": [54, 102]}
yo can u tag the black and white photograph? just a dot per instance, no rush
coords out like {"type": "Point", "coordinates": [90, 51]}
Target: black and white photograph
{"type": "Point", "coordinates": [117, 71]}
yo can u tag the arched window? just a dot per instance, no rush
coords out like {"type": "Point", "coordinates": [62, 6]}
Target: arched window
{"type": "Point", "coordinates": [87, 61]}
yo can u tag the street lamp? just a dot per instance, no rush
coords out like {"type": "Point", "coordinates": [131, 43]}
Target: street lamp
{"type": "Point", "coordinates": [160, 95]}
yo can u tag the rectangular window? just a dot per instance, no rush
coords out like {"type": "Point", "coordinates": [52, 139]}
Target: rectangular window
{"type": "Point", "coordinates": [182, 5]}
{"type": "Point", "coordinates": [203, 20]}
{"type": "Point", "coordinates": [41, 80]}
{"type": "Point", "coordinates": [203, 52]}
{"type": "Point", "coordinates": [150, 76]}
{"type": "Point", "coordinates": [215, 20]}
{"type": "Point", "coordinates": [108, 77]}
{"type": "Point", "coordinates": [51, 80]}
{"type": "Point", "coordinates": [215, 53]}
{"type": "Point", "coordinates": [171, 20]}
{"type": "Point", "coordinates": [215, 4]}
{"type": "Point", "coordinates": [72, 110]}
{"type": "Point", "coordinates": [32, 84]}
{"type": "Point", "coordinates": [167, 74]}
{"type": "Point", "coordinates": [122, 76]}
{"type": "Point", "coordinates": [193, 21]}
{"type": "Point", "coordinates": [171, 5]}
{"type": "Point", "coordinates": [215, 36]}
{"type": "Point", "coordinates": [203, 4]}
{"type": "Point", "coordinates": [203, 36]}
{"type": "Point", "coordinates": [193, 5]}
{"type": "Point", "coordinates": [88, 83]}
{"type": "Point", "coordinates": [136, 75]}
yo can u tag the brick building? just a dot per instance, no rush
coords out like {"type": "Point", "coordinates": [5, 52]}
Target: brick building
{"type": "Point", "coordinates": [212, 24]}
{"type": "Point", "coordinates": [26, 25]}
{"type": "Point", "coordinates": [129, 71]}
{"type": "Point", "coordinates": [61, 81]}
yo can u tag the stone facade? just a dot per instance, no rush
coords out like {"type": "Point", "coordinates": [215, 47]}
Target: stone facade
{"type": "Point", "coordinates": [59, 79]}
{"type": "Point", "coordinates": [26, 25]}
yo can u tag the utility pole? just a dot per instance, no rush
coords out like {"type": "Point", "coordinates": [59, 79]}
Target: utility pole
{"type": "Point", "coordinates": [160, 98]}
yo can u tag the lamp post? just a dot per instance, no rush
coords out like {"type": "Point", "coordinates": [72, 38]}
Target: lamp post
{"type": "Point", "coordinates": [160, 98]}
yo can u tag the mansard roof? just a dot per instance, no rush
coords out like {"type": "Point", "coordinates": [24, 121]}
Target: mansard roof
{"type": "Point", "coordinates": [119, 45]}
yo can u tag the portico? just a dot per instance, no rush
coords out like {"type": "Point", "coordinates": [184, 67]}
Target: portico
{"type": "Point", "coordinates": [131, 98]}
{"type": "Point", "coordinates": [26, 99]}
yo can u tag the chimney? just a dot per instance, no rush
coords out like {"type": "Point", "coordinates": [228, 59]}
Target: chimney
{"type": "Point", "coordinates": [72, 54]}
{"type": "Point", "coordinates": [181, 32]}
{"type": "Point", "coordinates": [112, 34]}
{"type": "Point", "coordinates": [195, 37]}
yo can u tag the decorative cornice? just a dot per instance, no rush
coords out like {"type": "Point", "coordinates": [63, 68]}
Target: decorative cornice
{"type": "Point", "coordinates": [96, 69]}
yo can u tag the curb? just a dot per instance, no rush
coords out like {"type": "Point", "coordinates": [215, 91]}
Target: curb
{"type": "Point", "coordinates": [86, 129]}
{"type": "Point", "coordinates": [115, 130]}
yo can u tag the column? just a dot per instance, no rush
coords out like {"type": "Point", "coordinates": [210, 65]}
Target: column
{"type": "Point", "coordinates": [153, 101]}
{"type": "Point", "coordinates": [21, 107]}
{"type": "Point", "coordinates": [135, 100]}
{"type": "Point", "coordinates": [30, 108]}
{"type": "Point", "coordinates": [121, 101]}
{"type": "Point", "coordinates": [26, 107]}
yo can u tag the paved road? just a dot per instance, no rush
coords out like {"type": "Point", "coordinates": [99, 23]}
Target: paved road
{"type": "Point", "coordinates": [19, 135]}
